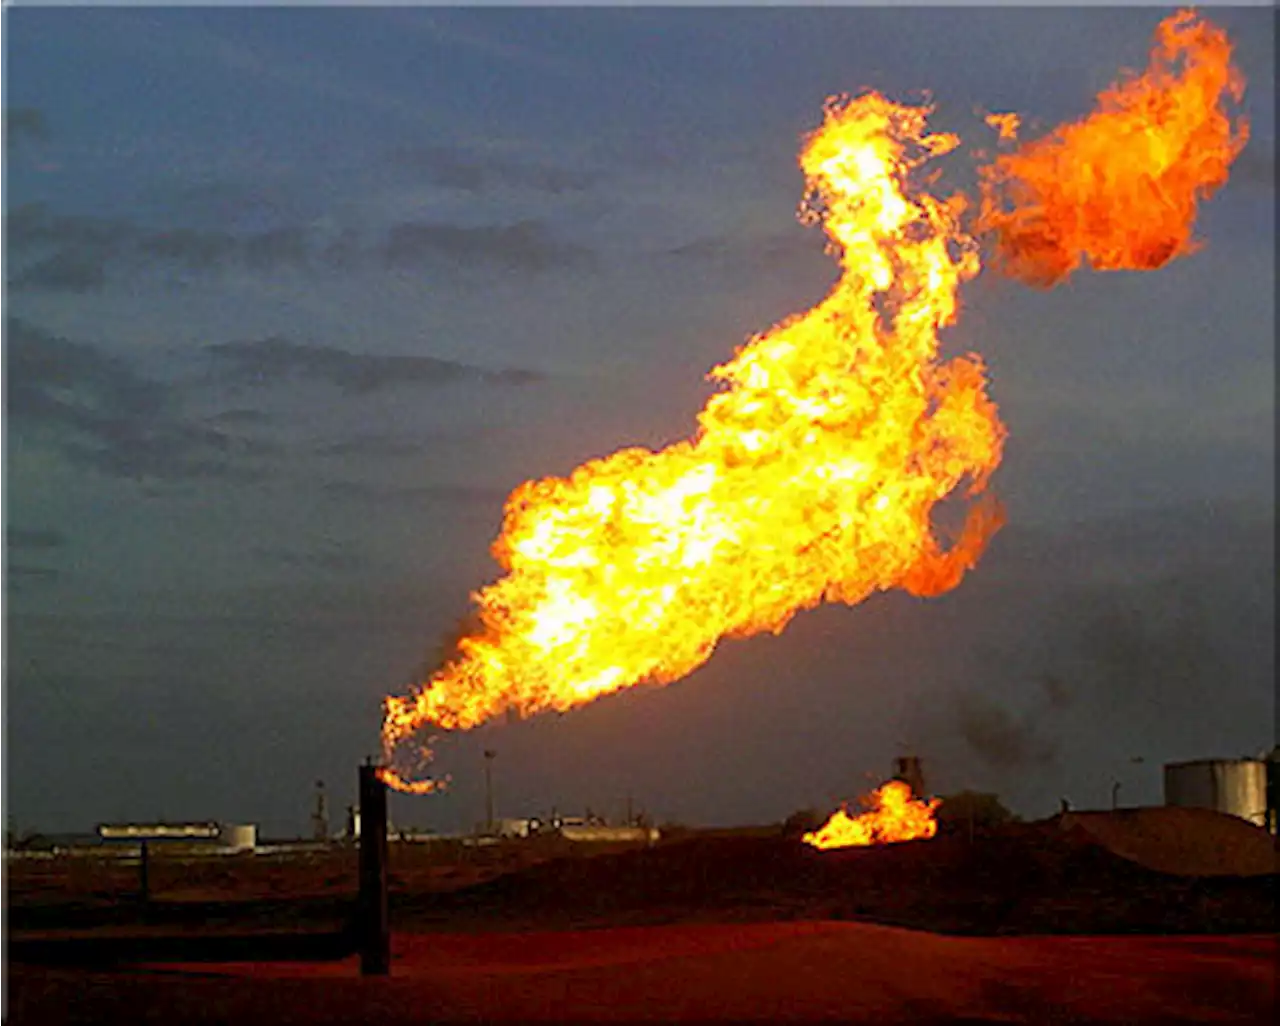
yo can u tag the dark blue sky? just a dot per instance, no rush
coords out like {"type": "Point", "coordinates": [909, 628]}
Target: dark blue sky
{"type": "Point", "coordinates": [294, 298]}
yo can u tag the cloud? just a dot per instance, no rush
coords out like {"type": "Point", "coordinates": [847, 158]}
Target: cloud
{"type": "Point", "coordinates": [65, 271]}
{"type": "Point", "coordinates": [31, 574]}
{"type": "Point", "coordinates": [23, 124]}
{"type": "Point", "coordinates": [523, 246]}
{"type": "Point", "coordinates": [53, 378]}
{"type": "Point", "coordinates": [102, 414]}
{"type": "Point", "coordinates": [371, 447]}
{"type": "Point", "coordinates": [364, 491]}
{"type": "Point", "coordinates": [452, 168]}
{"type": "Point", "coordinates": [32, 225]}
{"type": "Point", "coordinates": [72, 252]}
{"type": "Point", "coordinates": [77, 253]}
{"type": "Point", "coordinates": [240, 418]}
{"type": "Point", "coordinates": [273, 360]}
{"type": "Point", "coordinates": [33, 538]}
{"type": "Point", "coordinates": [328, 560]}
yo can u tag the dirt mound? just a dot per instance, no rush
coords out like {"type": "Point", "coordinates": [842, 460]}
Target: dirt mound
{"type": "Point", "coordinates": [1025, 878]}
{"type": "Point", "coordinates": [1187, 842]}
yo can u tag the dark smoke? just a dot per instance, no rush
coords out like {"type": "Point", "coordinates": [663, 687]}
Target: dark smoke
{"type": "Point", "coordinates": [1001, 738]}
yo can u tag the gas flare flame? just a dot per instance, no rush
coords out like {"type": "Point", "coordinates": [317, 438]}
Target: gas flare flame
{"type": "Point", "coordinates": [893, 814]}
{"type": "Point", "coordinates": [813, 474]}
{"type": "Point", "coordinates": [1120, 188]}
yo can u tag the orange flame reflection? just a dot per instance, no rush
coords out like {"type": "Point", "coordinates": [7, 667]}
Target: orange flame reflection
{"type": "Point", "coordinates": [892, 815]}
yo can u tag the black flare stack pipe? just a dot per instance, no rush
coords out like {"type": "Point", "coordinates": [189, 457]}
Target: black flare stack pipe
{"type": "Point", "coordinates": [373, 927]}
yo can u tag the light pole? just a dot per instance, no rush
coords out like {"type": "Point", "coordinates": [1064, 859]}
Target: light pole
{"type": "Point", "coordinates": [1135, 760]}
{"type": "Point", "coordinates": [489, 755]}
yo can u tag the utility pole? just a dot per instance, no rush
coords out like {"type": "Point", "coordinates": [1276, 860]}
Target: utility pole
{"type": "Point", "coordinates": [489, 755]}
{"type": "Point", "coordinates": [320, 815]}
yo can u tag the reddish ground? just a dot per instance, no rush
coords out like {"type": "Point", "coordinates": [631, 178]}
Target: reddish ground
{"type": "Point", "coordinates": [854, 972]}
{"type": "Point", "coordinates": [1066, 921]}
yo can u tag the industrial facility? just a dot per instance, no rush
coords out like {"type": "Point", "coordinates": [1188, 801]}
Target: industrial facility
{"type": "Point", "coordinates": [1239, 787]}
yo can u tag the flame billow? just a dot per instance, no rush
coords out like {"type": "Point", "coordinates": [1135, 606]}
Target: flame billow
{"type": "Point", "coordinates": [1120, 188]}
{"type": "Point", "coordinates": [893, 814]}
{"type": "Point", "coordinates": [814, 472]}
{"type": "Point", "coordinates": [811, 476]}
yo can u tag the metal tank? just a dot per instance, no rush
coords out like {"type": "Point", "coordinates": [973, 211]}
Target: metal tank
{"type": "Point", "coordinates": [238, 836]}
{"type": "Point", "coordinates": [1237, 787]}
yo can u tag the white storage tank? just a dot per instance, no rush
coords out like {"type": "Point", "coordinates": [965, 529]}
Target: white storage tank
{"type": "Point", "coordinates": [1237, 787]}
{"type": "Point", "coordinates": [238, 836]}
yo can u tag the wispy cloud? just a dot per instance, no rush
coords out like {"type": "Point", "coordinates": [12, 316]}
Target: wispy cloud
{"type": "Point", "coordinates": [22, 574]}
{"type": "Point", "coordinates": [466, 30]}
{"type": "Point", "coordinates": [101, 413]}
{"type": "Point", "coordinates": [24, 124]}
{"type": "Point", "coordinates": [77, 253]}
{"type": "Point", "coordinates": [240, 417]}
{"type": "Point", "coordinates": [475, 172]}
{"type": "Point", "coordinates": [64, 271]}
{"type": "Point", "coordinates": [371, 447]}
{"type": "Point", "coordinates": [325, 560]}
{"type": "Point", "coordinates": [33, 538]}
{"type": "Point", "coordinates": [365, 491]}
{"type": "Point", "coordinates": [271, 361]}
{"type": "Point", "coordinates": [524, 246]}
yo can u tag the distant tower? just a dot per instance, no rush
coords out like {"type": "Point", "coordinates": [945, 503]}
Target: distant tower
{"type": "Point", "coordinates": [907, 768]}
{"type": "Point", "coordinates": [320, 817]}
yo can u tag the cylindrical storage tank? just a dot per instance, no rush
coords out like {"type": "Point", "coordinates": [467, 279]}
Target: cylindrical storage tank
{"type": "Point", "coordinates": [1273, 790]}
{"type": "Point", "coordinates": [1237, 787]}
{"type": "Point", "coordinates": [238, 836]}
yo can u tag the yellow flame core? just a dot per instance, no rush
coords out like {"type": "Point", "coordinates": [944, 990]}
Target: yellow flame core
{"type": "Point", "coordinates": [811, 477]}
{"type": "Point", "coordinates": [892, 815]}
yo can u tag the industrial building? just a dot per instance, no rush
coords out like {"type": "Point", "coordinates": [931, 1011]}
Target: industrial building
{"type": "Point", "coordinates": [217, 838]}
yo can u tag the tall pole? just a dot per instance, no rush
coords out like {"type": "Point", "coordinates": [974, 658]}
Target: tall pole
{"type": "Point", "coordinates": [373, 928]}
{"type": "Point", "coordinates": [489, 754]}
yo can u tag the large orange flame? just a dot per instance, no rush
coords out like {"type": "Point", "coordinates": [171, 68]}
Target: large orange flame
{"type": "Point", "coordinates": [1120, 188]}
{"type": "Point", "coordinates": [813, 474]}
{"type": "Point", "coordinates": [893, 814]}
{"type": "Point", "coordinates": [811, 477]}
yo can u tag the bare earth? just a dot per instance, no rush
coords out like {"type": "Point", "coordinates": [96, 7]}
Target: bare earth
{"type": "Point", "coordinates": [1141, 919]}
{"type": "Point", "coordinates": [852, 972]}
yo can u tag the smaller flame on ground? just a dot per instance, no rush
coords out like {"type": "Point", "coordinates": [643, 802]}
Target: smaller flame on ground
{"type": "Point", "coordinates": [893, 814]}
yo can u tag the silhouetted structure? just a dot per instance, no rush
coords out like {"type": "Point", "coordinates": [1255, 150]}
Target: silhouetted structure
{"type": "Point", "coordinates": [908, 769]}
{"type": "Point", "coordinates": [320, 815]}
{"type": "Point", "coordinates": [373, 928]}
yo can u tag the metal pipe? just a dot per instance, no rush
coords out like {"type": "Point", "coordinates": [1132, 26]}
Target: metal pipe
{"type": "Point", "coordinates": [373, 936]}
{"type": "Point", "coordinates": [144, 875]}
{"type": "Point", "coordinates": [489, 754]}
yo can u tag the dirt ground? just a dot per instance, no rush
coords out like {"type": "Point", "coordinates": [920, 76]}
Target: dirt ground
{"type": "Point", "coordinates": [1036, 923]}
{"type": "Point", "coordinates": [770, 972]}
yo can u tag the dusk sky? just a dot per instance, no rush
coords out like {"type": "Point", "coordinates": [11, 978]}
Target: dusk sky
{"type": "Point", "coordinates": [295, 297]}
